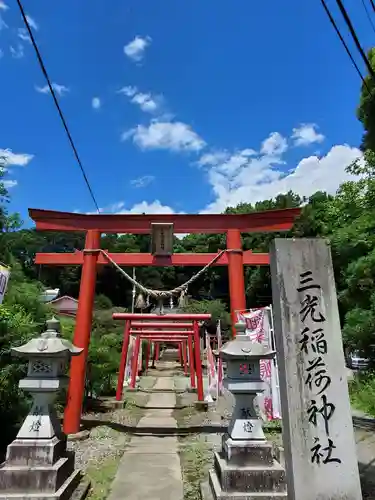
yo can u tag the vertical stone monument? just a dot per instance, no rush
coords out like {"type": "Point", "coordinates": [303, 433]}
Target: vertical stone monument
{"type": "Point", "coordinates": [37, 463]}
{"type": "Point", "coordinates": [245, 467]}
{"type": "Point", "coordinates": [319, 447]}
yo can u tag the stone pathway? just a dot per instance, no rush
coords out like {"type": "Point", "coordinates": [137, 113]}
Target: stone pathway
{"type": "Point", "coordinates": [150, 467]}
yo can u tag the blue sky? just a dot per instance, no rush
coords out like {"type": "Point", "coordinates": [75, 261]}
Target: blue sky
{"type": "Point", "coordinates": [177, 106]}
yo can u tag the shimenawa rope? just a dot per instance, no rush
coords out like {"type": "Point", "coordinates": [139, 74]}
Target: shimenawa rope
{"type": "Point", "coordinates": [158, 294]}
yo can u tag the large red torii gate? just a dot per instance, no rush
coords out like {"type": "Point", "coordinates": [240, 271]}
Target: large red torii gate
{"type": "Point", "coordinates": [94, 225]}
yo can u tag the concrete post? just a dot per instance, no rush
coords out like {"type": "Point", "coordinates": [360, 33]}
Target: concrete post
{"type": "Point", "coordinates": [320, 453]}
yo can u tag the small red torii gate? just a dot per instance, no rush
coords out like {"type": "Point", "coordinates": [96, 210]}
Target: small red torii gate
{"type": "Point", "coordinates": [90, 258]}
{"type": "Point", "coordinates": [160, 327]}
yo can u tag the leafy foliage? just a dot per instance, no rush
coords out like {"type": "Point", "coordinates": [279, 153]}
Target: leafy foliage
{"type": "Point", "coordinates": [21, 317]}
{"type": "Point", "coordinates": [366, 108]}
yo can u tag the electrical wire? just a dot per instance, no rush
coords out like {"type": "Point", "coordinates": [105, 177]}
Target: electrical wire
{"type": "Point", "coordinates": [368, 15]}
{"type": "Point", "coordinates": [372, 5]}
{"type": "Point", "coordinates": [355, 38]}
{"type": "Point", "coordinates": [345, 45]}
{"type": "Point", "coordinates": [44, 71]}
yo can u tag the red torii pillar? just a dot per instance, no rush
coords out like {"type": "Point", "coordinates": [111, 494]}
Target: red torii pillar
{"type": "Point", "coordinates": [180, 354]}
{"type": "Point", "coordinates": [184, 355]}
{"type": "Point", "coordinates": [191, 362]}
{"type": "Point", "coordinates": [135, 362]}
{"type": "Point", "coordinates": [82, 331]}
{"type": "Point", "coordinates": [236, 275]}
{"type": "Point", "coordinates": [123, 359]}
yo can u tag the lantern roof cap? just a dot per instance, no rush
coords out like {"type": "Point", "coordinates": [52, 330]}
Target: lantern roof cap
{"type": "Point", "coordinates": [242, 347]}
{"type": "Point", "coordinates": [49, 344]}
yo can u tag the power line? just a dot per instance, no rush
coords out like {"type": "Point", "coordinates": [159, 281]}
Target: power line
{"type": "Point", "coordinates": [355, 38]}
{"type": "Point", "coordinates": [344, 44]}
{"type": "Point", "coordinates": [368, 15]}
{"type": "Point", "coordinates": [372, 5]}
{"type": "Point", "coordinates": [44, 71]}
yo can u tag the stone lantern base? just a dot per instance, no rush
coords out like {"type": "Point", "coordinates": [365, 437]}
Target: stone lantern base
{"type": "Point", "coordinates": [245, 470]}
{"type": "Point", "coordinates": [40, 470]}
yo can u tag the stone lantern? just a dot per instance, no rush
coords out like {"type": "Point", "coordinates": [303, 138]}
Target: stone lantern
{"type": "Point", "coordinates": [37, 464]}
{"type": "Point", "coordinates": [245, 465]}
{"type": "Point", "coordinates": [243, 381]}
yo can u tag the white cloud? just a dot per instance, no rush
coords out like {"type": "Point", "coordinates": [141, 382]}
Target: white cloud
{"type": "Point", "coordinates": [8, 158]}
{"type": "Point", "coordinates": [23, 35]}
{"type": "Point", "coordinates": [114, 208]}
{"type": "Point", "coordinates": [146, 102]}
{"type": "Point", "coordinates": [95, 103]}
{"type": "Point", "coordinates": [175, 136]}
{"type": "Point", "coordinates": [213, 158]}
{"type": "Point", "coordinates": [32, 23]}
{"type": "Point", "coordinates": [9, 184]}
{"type": "Point", "coordinates": [274, 145]}
{"type": "Point", "coordinates": [136, 48]}
{"type": "Point", "coordinates": [128, 134]}
{"type": "Point", "coordinates": [59, 89]}
{"type": "Point", "coordinates": [3, 5]}
{"type": "Point", "coordinates": [306, 134]}
{"type": "Point", "coordinates": [144, 207]}
{"type": "Point", "coordinates": [17, 52]}
{"type": "Point", "coordinates": [3, 24]}
{"type": "Point", "coordinates": [128, 91]}
{"type": "Point", "coordinates": [155, 207]}
{"type": "Point", "coordinates": [241, 178]}
{"type": "Point", "coordinates": [143, 181]}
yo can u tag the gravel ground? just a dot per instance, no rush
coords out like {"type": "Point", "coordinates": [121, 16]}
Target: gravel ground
{"type": "Point", "coordinates": [103, 442]}
{"type": "Point", "coordinates": [196, 459]}
{"type": "Point", "coordinates": [107, 438]}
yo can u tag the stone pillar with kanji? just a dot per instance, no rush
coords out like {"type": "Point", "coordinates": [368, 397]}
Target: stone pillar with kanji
{"type": "Point", "coordinates": [37, 464]}
{"type": "Point", "coordinates": [245, 466]}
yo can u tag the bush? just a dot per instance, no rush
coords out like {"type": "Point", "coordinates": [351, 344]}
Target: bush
{"type": "Point", "coordinates": [102, 302]}
{"type": "Point", "coordinates": [105, 352]}
{"type": "Point", "coordinates": [218, 311]}
{"type": "Point", "coordinates": [22, 317]}
{"type": "Point", "coordinates": [362, 393]}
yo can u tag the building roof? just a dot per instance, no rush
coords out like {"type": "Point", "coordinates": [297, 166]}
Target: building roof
{"type": "Point", "coordinates": [59, 299]}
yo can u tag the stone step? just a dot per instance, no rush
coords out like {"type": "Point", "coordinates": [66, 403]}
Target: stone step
{"type": "Point", "coordinates": [251, 478]}
{"type": "Point", "coordinates": [158, 391]}
{"type": "Point", "coordinates": [212, 490]}
{"type": "Point", "coordinates": [75, 487]}
{"type": "Point", "coordinates": [21, 452]}
{"type": "Point", "coordinates": [176, 431]}
{"type": "Point", "coordinates": [247, 452]}
{"type": "Point", "coordinates": [47, 478]}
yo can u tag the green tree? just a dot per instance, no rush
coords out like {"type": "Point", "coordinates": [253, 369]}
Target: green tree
{"type": "Point", "coordinates": [366, 108]}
